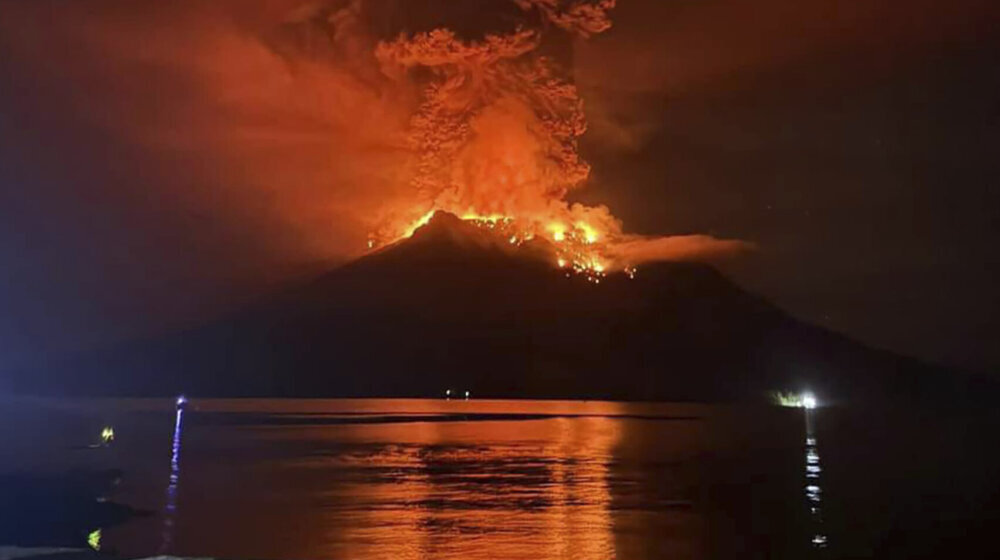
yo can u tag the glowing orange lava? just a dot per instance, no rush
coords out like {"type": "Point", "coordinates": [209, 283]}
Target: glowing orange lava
{"type": "Point", "coordinates": [578, 247]}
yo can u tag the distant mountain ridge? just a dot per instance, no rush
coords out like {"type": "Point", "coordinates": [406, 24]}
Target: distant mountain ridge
{"type": "Point", "coordinates": [454, 306]}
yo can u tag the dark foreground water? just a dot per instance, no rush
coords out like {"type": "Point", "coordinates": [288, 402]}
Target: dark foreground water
{"type": "Point", "coordinates": [310, 479]}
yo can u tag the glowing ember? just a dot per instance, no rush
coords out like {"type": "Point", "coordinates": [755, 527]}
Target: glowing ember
{"type": "Point", "coordinates": [575, 247]}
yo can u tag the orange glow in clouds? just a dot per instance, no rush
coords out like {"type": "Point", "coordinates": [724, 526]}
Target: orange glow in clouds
{"type": "Point", "coordinates": [494, 140]}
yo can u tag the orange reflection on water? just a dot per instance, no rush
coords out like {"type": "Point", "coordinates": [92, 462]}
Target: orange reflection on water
{"type": "Point", "coordinates": [486, 489]}
{"type": "Point", "coordinates": [389, 478]}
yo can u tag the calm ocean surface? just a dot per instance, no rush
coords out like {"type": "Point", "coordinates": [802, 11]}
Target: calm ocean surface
{"type": "Point", "coordinates": [388, 478]}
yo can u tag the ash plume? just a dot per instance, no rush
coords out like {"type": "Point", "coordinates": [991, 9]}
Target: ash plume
{"type": "Point", "coordinates": [497, 127]}
{"type": "Point", "coordinates": [303, 129]}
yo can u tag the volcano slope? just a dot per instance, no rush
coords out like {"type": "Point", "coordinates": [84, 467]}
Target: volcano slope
{"type": "Point", "coordinates": [455, 306]}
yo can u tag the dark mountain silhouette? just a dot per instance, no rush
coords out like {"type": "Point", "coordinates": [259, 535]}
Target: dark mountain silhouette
{"type": "Point", "coordinates": [456, 307]}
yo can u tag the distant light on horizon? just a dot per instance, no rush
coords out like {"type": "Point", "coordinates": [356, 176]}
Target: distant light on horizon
{"type": "Point", "coordinates": [808, 401]}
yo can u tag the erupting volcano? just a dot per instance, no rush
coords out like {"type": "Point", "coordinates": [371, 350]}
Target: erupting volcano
{"type": "Point", "coordinates": [479, 270]}
{"type": "Point", "coordinates": [494, 140]}
{"type": "Point", "coordinates": [456, 305]}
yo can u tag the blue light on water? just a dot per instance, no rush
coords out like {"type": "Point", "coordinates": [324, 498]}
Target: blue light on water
{"type": "Point", "coordinates": [175, 474]}
{"type": "Point", "coordinates": [175, 457]}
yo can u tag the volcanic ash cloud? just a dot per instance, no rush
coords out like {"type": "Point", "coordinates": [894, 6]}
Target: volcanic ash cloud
{"type": "Point", "coordinates": [495, 136]}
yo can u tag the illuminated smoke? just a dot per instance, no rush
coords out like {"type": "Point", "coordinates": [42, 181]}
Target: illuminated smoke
{"type": "Point", "coordinates": [300, 131]}
{"type": "Point", "coordinates": [496, 134]}
{"type": "Point", "coordinates": [497, 127]}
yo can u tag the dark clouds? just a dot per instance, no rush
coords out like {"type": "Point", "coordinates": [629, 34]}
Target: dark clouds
{"type": "Point", "coordinates": [855, 144]}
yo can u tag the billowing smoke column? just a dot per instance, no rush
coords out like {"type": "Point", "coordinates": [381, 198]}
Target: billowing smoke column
{"type": "Point", "coordinates": [303, 129]}
{"type": "Point", "coordinates": [495, 138]}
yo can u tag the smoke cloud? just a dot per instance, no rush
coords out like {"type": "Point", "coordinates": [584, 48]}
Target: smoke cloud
{"type": "Point", "coordinates": [497, 128]}
{"type": "Point", "coordinates": [154, 156]}
{"type": "Point", "coordinates": [634, 249]}
{"type": "Point", "coordinates": [314, 126]}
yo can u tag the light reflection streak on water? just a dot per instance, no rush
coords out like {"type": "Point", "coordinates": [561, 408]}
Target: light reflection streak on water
{"type": "Point", "coordinates": [814, 492]}
{"type": "Point", "coordinates": [170, 507]}
{"type": "Point", "coordinates": [448, 490]}
{"type": "Point", "coordinates": [570, 487]}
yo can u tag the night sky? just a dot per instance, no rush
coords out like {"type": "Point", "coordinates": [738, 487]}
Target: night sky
{"type": "Point", "coordinates": [152, 176]}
